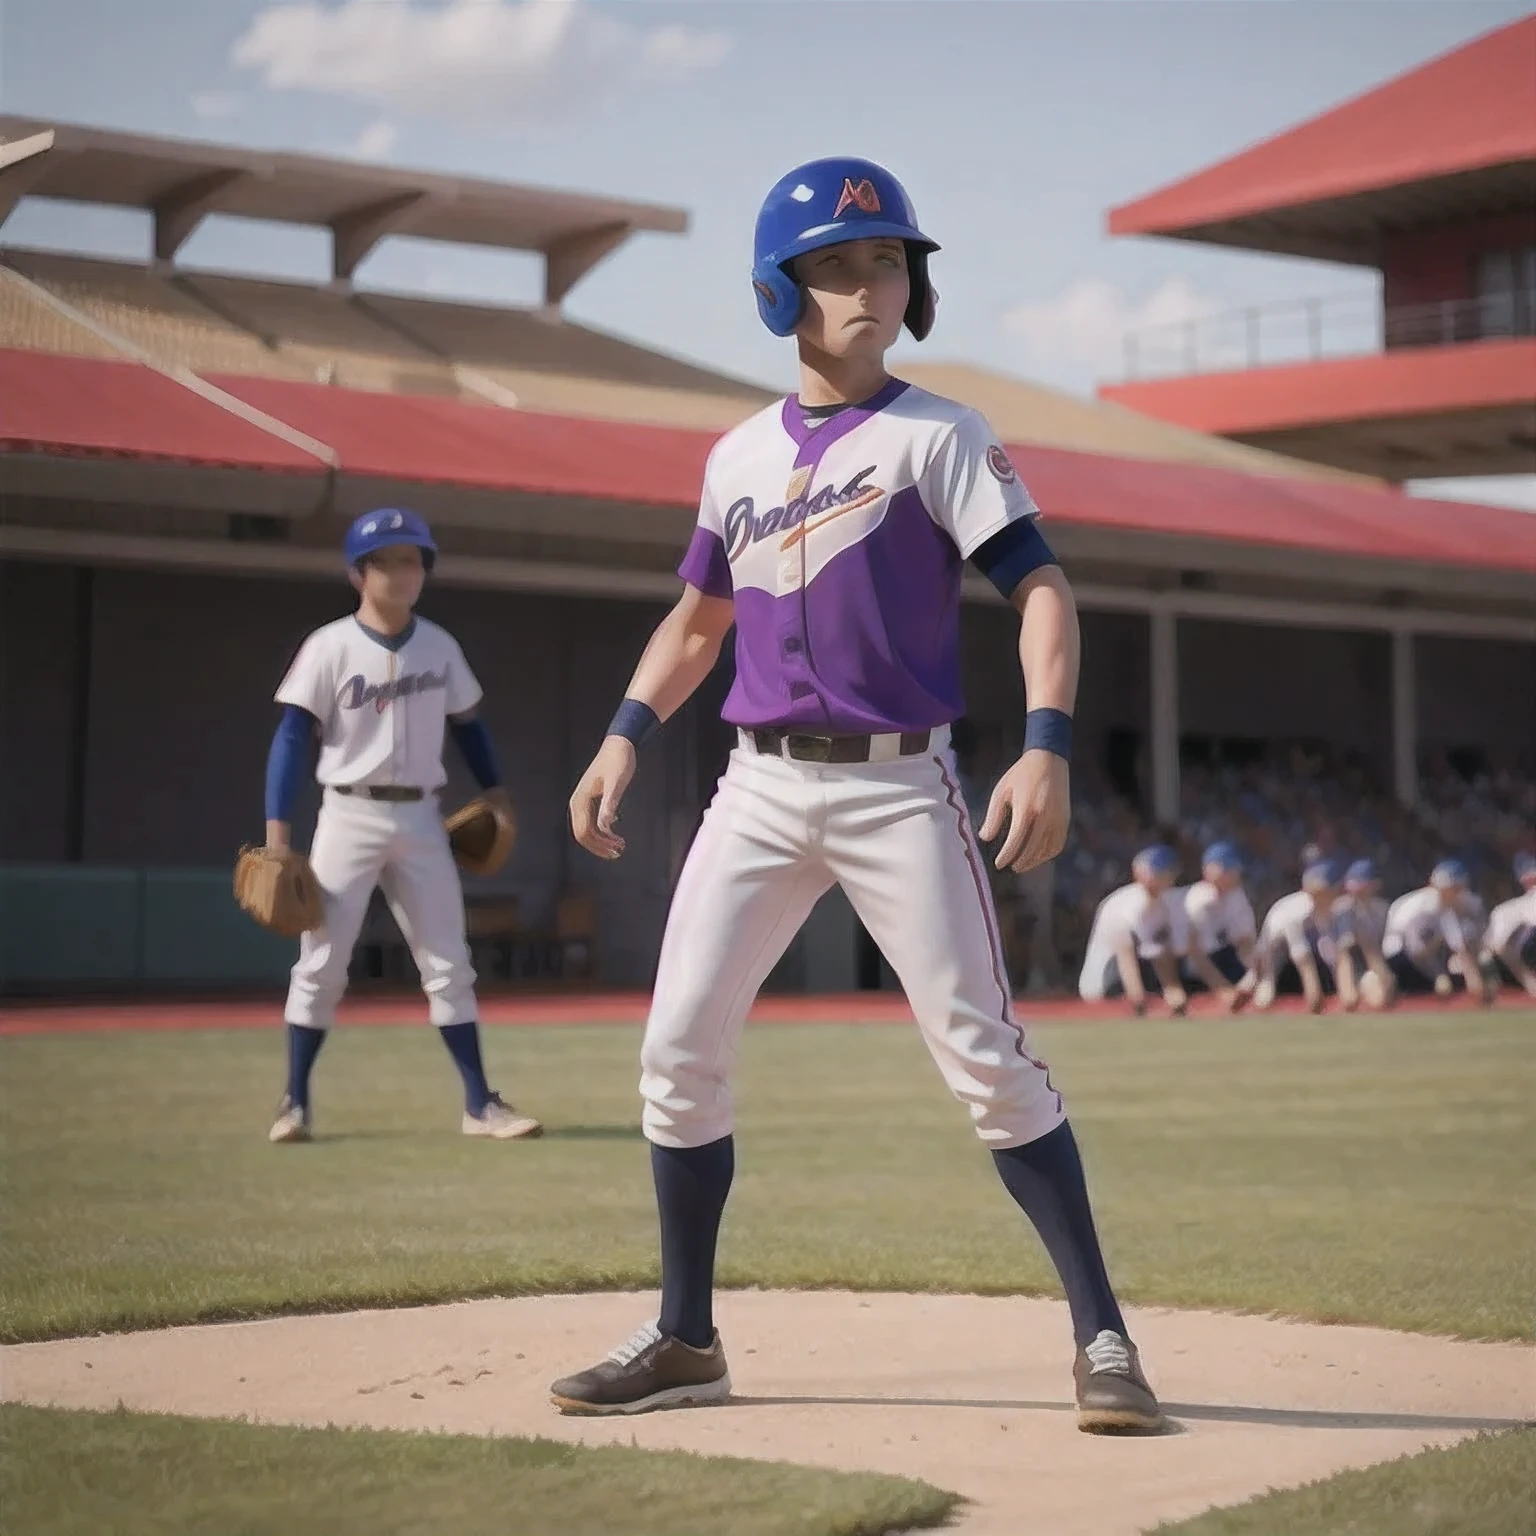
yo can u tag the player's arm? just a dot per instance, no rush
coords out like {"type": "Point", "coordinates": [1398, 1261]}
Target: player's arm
{"type": "Point", "coordinates": [680, 654]}
{"type": "Point", "coordinates": [1306, 968]}
{"type": "Point", "coordinates": [1512, 954]}
{"type": "Point", "coordinates": [288, 765]}
{"type": "Point", "coordinates": [1035, 794]}
{"type": "Point", "coordinates": [1165, 965]}
{"type": "Point", "coordinates": [974, 494]}
{"type": "Point", "coordinates": [1129, 969]}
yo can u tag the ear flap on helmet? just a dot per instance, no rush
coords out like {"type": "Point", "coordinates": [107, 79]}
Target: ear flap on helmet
{"type": "Point", "coordinates": [779, 299]}
{"type": "Point", "coordinates": [923, 306]}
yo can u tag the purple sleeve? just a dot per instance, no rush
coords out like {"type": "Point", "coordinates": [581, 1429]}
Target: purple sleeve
{"type": "Point", "coordinates": [705, 565]}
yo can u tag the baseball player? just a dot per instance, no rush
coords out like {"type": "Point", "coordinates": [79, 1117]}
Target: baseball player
{"type": "Point", "coordinates": [1134, 944]}
{"type": "Point", "coordinates": [1509, 941]}
{"type": "Point", "coordinates": [1295, 950]}
{"type": "Point", "coordinates": [1361, 972]}
{"type": "Point", "coordinates": [1218, 924]}
{"type": "Point", "coordinates": [378, 689]}
{"type": "Point", "coordinates": [833, 530]}
{"type": "Point", "coordinates": [1433, 935]}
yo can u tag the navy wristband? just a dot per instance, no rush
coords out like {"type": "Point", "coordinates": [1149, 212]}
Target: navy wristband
{"type": "Point", "coordinates": [635, 722]}
{"type": "Point", "coordinates": [1049, 730]}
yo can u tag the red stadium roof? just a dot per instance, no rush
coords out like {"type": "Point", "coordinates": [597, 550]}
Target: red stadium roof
{"type": "Point", "coordinates": [73, 406]}
{"type": "Point", "coordinates": [82, 406]}
{"type": "Point", "coordinates": [1465, 112]}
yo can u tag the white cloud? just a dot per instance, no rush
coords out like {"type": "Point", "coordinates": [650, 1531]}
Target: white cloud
{"type": "Point", "coordinates": [483, 59]}
{"type": "Point", "coordinates": [1087, 323]}
{"type": "Point", "coordinates": [216, 104]}
{"type": "Point", "coordinates": [376, 140]}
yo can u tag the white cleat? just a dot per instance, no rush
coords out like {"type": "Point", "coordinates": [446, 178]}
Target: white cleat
{"type": "Point", "coordinates": [292, 1123]}
{"type": "Point", "coordinates": [1264, 995]}
{"type": "Point", "coordinates": [501, 1122]}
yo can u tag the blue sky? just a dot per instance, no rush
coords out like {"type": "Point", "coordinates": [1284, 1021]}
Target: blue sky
{"type": "Point", "coordinates": [1015, 126]}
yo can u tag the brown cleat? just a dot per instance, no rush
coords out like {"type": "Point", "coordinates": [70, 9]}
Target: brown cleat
{"type": "Point", "coordinates": [1113, 1397]}
{"type": "Point", "coordinates": [652, 1370]}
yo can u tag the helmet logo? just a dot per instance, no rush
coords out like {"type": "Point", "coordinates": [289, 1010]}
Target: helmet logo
{"type": "Point", "coordinates": [861, 196]}
{"type": "Point", "coordinates": [768, 296]}
{"type": "Point", "coordinates": [802, 193]}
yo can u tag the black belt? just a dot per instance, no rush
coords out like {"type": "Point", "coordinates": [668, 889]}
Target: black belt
{"type": "Point", "coordinates": [382, 791]}
{"type": "Point", "coordinates": [832, 749]}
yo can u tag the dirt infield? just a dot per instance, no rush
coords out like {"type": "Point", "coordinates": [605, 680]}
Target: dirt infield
{"type": "Point", "coordinates": [969, 1393]}
{"type": "Point", "coordinates": [74, 1016]}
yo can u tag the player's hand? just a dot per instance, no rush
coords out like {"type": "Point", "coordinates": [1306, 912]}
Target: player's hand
{"type": "Point", "coordinates": [497, 796]}
{"type": "Point", "coordinates": [1177, 1000]}
{"type": "Point", "coordinates": [595, 804]}
{"type": "Point", "coordinates": [1035, 797]}
{"type": "Point", "coordinates": [1231, 999]}
{"type": "Point", "coordinates": [277, 835]}
{"type": "Point", "coordinates": [1443, 985]}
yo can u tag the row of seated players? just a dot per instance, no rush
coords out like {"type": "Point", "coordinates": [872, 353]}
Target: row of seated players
{"type": "Point", "coordinates": [1337, 935]}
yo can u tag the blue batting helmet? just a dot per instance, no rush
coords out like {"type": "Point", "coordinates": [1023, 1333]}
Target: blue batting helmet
{"type": "Point", "coordinates": [388, 525]}
{"type": "Point", "coordinates": [1525, 867]}
{"type": "Point", "coordinates": [829, 202]}
{"type": "Point", "coordinates": [1321, 875]}
{"type": "Point", "coordinates": [1159, 859]}
{"type": "Point", "coordinates": [1448, 873]}
{"type": "Point", "coordinates": [1223, 855]}
{"type": "Point", "coordinates": [1360, 874]}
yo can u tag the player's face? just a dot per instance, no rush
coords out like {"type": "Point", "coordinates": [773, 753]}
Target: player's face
{"type": "Point", "coordinates": [1221, 877]}
{"type": "Point", "coordinates": [855, 296]}
{"type": "Point", "coordinates": [393, 577]}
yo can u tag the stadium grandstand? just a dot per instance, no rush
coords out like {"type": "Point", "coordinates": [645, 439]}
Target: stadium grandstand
{"type": "Point", "coordinates": [180, 450]}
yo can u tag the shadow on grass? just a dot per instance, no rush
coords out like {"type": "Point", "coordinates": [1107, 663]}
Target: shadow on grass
{"type": "Point", "coordinates": [1284, 1418]}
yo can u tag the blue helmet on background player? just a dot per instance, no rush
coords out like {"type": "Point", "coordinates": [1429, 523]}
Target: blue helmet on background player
{"type": "Point", "coordinates": [1361, 876]}
{"type": "Point", "coordinates": [1525, 869]}
{"type": "Point", "coordinates": [1322, 875]}
{"type": "Point", "coordinates": [829, 202]}
{"type": "Point", "coordinates": [1449, 875]}
{"type": "Point", "coordinates": [373, 531]}
{"type": "Point", "coordinates": [1224, 856]}
{"type": "Point", "coordinates": [1159, 862]}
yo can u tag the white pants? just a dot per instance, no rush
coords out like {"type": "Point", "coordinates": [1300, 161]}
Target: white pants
{"type": "Point", "coordinates": [403, 849]}
{"type": "Point", "coordinates": [897, 838]}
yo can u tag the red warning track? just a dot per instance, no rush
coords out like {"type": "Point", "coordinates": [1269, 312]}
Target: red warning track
{"type": "Point", "coordinates": [406, 1008]}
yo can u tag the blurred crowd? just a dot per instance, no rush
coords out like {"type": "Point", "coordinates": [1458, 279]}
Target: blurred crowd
{"type": "Point", "coordinates": [1281, 809]}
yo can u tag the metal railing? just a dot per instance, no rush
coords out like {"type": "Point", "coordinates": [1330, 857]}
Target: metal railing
{"type": "Point", "coordinates": [1309, 330]}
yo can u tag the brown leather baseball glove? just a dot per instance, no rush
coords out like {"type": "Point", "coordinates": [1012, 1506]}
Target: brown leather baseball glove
{"type": "Point", "coordinates": [481, 834]}
{"type": "Point", "coordinates": [278, 888]}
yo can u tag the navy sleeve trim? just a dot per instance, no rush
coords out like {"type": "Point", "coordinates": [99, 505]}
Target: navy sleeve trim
{"type": "Point", "coordinates": [1012, 553]}
{"type": "Point", "coordinates": [288, 761]}
{"type": "Point", "coordinates": [474, 742]}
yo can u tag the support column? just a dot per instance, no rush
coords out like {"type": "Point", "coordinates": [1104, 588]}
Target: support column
{"type": "Point", "coordinates": [1405, 719]}
{"type": "Point", "coordinates": [1165, 716]}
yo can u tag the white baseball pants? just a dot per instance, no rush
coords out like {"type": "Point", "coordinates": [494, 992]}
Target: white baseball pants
{"type": "Point", "coordinates": [402, 848]}
{"type": "Point", "coordinates": [896, 836]}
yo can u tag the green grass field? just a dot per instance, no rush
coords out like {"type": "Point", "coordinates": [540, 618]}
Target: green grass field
{"type": "Point", "coordinates": [1483, 1487]}
{"type": "Point", "coordinates": [1381, 1171]}
{"type": "Point", "coordinates": [137, 1474]}
{"type": "Point", "coordinates": [1378, 1171]}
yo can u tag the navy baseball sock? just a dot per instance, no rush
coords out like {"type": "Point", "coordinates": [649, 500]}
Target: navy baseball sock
{"type": "Point", "coordinates": [463, 1042]}
{"type": "Point", "coordinates": [691, 1186]}
{"type": "Point", "coordinates": [1046, 1178]}
{"type": "Point", "coordinates": [303, 1046]}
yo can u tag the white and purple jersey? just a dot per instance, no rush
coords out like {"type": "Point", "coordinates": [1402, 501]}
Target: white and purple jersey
{"type": "Point", "coordinates": [842, 541]}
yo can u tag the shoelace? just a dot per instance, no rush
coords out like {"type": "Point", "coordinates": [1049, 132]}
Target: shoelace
{"type": "Point", "coordinates": [1108, 1355]}
{"type": "Point", "coordinates": [636, 1345]}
